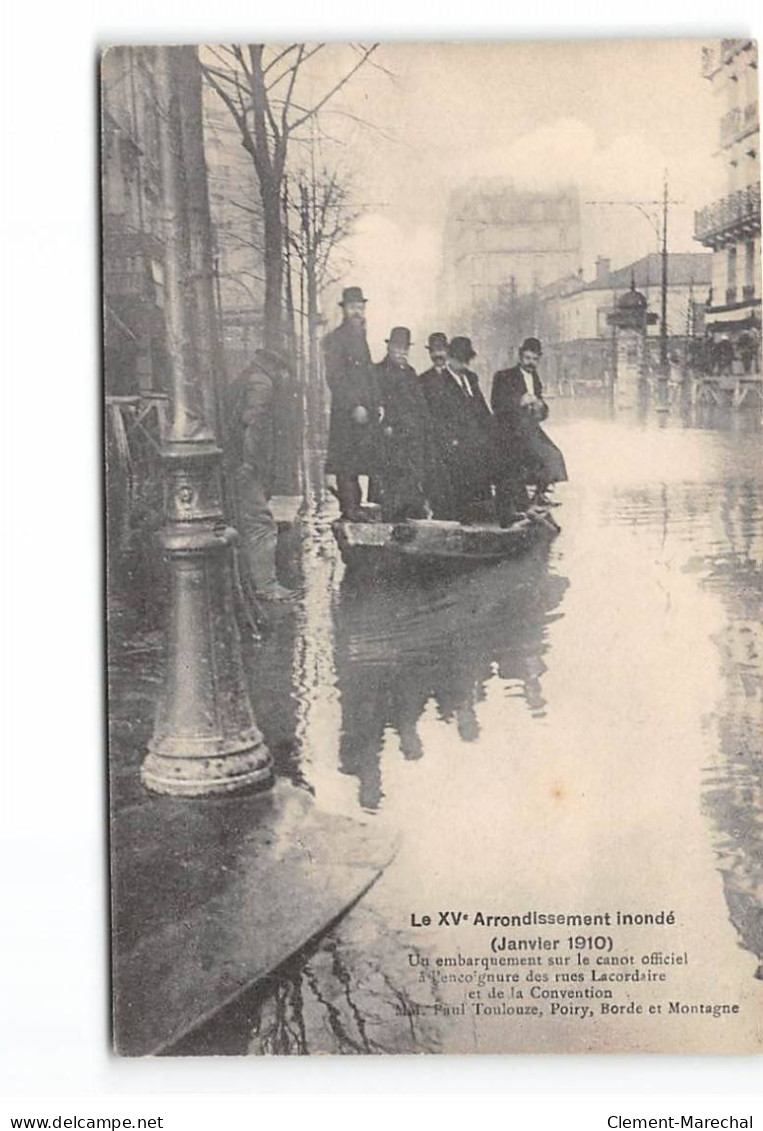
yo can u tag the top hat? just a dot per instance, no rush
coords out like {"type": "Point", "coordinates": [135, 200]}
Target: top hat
{"type": "Point", "coordinates": [399, 336]}
{"type": "Point", "coordinates": [532, 344]}
{"type": "Point", "coordinates": [462, 349]}
{"type": "Point", "coordinates": [437, 341]}
{"type": "Point", "coordinates": [352, 294]}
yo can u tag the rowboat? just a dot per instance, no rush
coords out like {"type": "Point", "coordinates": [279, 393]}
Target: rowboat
{"type": "Point", "coordinates": [434, 542]}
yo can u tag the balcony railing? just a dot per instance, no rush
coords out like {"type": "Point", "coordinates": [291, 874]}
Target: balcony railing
{"type": "Point", "coordinates": [734, 215]}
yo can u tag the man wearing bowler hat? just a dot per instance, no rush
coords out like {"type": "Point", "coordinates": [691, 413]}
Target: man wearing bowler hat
{"type": "Point", "coordinates": [405, 447]}
{"type": "Point", "coordinates": [437, 347]}
{"type": "Point", "coordinates": [517, 401]}
{"type": "Point", "coordinates": [463, 425]}
{"type": "Point", "coordinates": [354, 435]}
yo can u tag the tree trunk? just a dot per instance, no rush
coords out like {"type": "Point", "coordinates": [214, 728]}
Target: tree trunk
{"type": "Point", "coordinates": [273, 233]}
{"type": "Point", "coordinates": [314, 383]}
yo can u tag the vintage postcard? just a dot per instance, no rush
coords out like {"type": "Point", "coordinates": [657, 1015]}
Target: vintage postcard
{"type": "Point", "coordinates": [433, 408]}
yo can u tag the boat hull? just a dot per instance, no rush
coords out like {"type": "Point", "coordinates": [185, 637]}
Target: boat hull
{"type": "Point", "coordinates": [429, 542]}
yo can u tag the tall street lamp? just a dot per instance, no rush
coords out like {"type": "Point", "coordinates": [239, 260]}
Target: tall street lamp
{"type": "Point", "coordinates": [205, 739]}
{"type": "Point", "coordinates": [650, 210]}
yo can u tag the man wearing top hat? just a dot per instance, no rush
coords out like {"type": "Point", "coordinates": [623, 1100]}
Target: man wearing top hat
{"type": "Point", "coordinates": [406, 443]}
{"type": "Point", "coordinates": [437, 347]}
{"type": "Point", "coordinates": [406, 464]}
{"type": "Point", "coordinates": [463, 427]}
{"type": "Point", "coordinates": [354, 435]}
{"type": "Point", "coordinates": [517, 401]}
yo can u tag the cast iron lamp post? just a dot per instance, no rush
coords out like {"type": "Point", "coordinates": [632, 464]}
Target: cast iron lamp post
{"type": "Point", "coordinates": [205, 739]}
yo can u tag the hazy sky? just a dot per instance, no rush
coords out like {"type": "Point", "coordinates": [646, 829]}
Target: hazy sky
{"type": "Point", "coordinates": [608, 116]}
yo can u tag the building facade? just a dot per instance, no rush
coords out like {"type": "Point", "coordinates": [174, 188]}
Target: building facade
{"type": "Point", "coordinates": [499, 238]}
{"type": "Point", "coordinates": [133, 282]}
{"type": "Point", "coordinates": [133, 229]}
{"type": "Point", "coordinates": [575, 324]}
{"type": "Point", "coordinates": [730, 227]}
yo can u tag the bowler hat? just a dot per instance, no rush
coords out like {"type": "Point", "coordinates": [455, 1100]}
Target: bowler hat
{"type": "Point", "coordinates": [532, 344]}
{"type": "Point", "coordinates": [352, 294]}
{"type": "Point", "coordinates": [399, 336]}
{"type": "Point", "coordinates": [437, 341]}
{"type": "Point", "coordinates": [462, 349]}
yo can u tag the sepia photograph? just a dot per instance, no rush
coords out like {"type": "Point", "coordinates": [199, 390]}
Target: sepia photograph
{"type": "Point", "coordinates": [432, 414]}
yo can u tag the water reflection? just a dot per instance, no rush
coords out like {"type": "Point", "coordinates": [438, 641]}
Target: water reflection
{"type": "Point", "coordinates": [501, 712]}
{"type": "Point", "coordinates": [436, 641]}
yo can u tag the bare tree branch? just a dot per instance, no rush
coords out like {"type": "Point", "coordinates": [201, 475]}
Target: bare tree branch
{"type": "Point", "coordinates": [279, 56]}
{"type": "Point", "coordinates": [337, 87]}
{"type": "Point", "coordinates": [290, 91]}
{"type": "Point", "coordinates": [308, 55]}
{"type": "Point", "coordinates": [239, 118]}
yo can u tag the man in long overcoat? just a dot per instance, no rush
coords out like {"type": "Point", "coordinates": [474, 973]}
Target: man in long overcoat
{"type": "Point", "coordinates": [354, 434]}
{"type": "Point", "coordinates": [251, 436]}
{"type": "Point", "coordinates": [406, 462]}
{"type": "Point", "coordinates": [518, 405]}
{"type": "Point", "coordinates": [463, 430]}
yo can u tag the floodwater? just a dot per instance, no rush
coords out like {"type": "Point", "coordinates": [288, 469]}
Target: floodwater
{"type": "Point", "coordinates": [575, 731]}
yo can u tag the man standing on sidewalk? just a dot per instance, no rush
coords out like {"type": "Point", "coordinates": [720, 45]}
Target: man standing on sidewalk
{"type": "Point", "coordinates": [251, 436]}
{"type": "Point", "coordinates": [354, 434]}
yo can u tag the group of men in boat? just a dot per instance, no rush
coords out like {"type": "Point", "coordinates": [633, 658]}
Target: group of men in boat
{"type": "Point", "coordinates": [430, 444]}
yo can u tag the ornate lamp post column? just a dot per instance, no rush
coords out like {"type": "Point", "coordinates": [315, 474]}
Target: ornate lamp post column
{"type": "Point", "coordinates": [205, 737]}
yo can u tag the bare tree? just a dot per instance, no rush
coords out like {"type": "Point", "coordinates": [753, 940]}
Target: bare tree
{"type": "Point", "coordinates": [322, 218]}
{"type": "Point", "coordinates": [260, 87]}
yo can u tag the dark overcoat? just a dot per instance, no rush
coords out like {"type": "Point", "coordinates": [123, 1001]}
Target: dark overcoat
{"type": "Point", "coordinates": [463, 430]}
{"type": "Point", "coordinates": [407, 463]}
{"type": "Point", "coordinates": [353, 447]}
{"type": "Point", "coordinates": [251, 412]}
{"type": "Point", "coordinates": [525, 445]}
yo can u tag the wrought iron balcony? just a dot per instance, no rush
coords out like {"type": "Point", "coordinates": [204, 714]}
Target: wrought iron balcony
{"type": "Point", "coordinates": [733, 217]}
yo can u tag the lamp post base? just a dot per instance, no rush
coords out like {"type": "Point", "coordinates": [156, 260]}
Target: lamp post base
{"type": "Point", "coordinates": [206, 740]}
{"type": "Point", "coordinates": [185, 776]}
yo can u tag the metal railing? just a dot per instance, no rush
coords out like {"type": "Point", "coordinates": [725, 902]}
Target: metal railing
{"type": "Point", "coordinates": [739, 209]}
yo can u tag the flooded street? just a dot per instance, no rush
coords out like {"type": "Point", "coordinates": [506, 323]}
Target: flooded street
{"type": "Point", "coordinates": [573, 731]}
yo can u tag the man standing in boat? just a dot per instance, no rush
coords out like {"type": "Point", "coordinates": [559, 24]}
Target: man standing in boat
{"type": "Point", "coordinates": [439, 493]}
{"type": "Point", "coordinates": [528, 455]}
{"type": "Point", "coordinates": [354, 430]}
{"type": "Point", "coordinates": [406, 466]}
{"type": "Point", "coordinates": [437, 348]}
{"type": "Point", "coordinates": [463, 427]}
